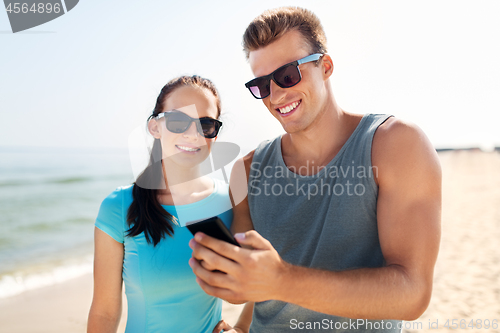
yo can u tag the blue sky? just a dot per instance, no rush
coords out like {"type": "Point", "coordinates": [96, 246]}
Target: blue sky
{"type": "Point", "coordinates": [90, 77]}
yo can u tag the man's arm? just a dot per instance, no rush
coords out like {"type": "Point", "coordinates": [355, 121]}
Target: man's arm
{"type": "Point", "coordinates": [408, 217]}
{"type": "Point", "coordinates": [238, 191]}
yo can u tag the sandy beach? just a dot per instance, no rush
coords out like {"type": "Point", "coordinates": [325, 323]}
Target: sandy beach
{"type": "Point", "coordinates": [467, 275]}
{"type": "Point", "coordinates": [63, 308]}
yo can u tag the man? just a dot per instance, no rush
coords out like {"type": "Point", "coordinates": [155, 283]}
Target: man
{"type": "Point", "coordinates": [345, 207]}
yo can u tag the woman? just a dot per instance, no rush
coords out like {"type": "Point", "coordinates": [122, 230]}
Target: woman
{"type": "Point", "coordinates": [140, 234]}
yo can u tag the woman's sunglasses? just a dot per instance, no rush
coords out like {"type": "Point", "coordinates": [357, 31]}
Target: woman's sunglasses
{"type": "Point", "coordinates": [286, 76]}
{"type": "Point", "coordinates": [179, 122]}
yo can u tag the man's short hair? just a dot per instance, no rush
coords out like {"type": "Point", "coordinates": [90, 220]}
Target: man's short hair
{"type": "Point", "coordinates": [274, 23]}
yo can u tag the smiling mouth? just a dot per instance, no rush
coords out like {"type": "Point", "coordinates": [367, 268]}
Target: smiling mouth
{"type": "Point", "coordinates": [289, 108]}
{"type": "Point", "coordinates": [188, 149]}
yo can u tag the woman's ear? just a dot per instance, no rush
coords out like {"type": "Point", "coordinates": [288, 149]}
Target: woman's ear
{"type": "Point", "coordinates": [154, 129]}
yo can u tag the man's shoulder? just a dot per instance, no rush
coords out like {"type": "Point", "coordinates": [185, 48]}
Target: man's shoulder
{"type": "Point", "coordinates": [397, 134]}
{"type": "Point", "coordinates": [268, 143]}
{"type": "Point", "coordinates": [265, 147]}
{"type": "Point", "coordinates": [247, 160]}
{"type": "Point", "coordinates": [402, 145]}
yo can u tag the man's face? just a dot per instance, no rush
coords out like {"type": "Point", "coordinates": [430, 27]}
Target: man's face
{"type": "Point", "coordinates": [296, 108]}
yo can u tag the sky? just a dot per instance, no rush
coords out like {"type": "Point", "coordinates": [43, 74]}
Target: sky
{"type": "Point", "coordinates": [91, 77]}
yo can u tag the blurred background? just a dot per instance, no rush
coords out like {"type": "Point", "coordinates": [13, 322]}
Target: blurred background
{"type": "Point", "coordinates": [74, 90]}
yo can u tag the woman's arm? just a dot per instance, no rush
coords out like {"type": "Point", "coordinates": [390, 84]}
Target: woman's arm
{"type": "Point", "coordinates": [241, 326]}
{"type": "Point", "coordinates": [245, 318]}
{"type": "Point", "coordinates": [106, 306]}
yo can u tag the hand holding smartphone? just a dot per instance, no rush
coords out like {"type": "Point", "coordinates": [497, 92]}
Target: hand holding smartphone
{"type": "Point", "coordinates": [214, 227]}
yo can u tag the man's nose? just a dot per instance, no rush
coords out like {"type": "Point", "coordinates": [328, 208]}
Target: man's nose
{"type": "Point", "coordinates": [276, 93]}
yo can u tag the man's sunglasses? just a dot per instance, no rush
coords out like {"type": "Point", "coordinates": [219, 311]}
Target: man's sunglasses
{"type": "Point", "coordinates": [179, 122]}
{"type": "Point", "coordinates": [286, 76]}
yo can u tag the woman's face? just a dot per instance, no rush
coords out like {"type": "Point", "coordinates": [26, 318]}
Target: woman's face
{"type": "Point", "coordinates": [189, 148]}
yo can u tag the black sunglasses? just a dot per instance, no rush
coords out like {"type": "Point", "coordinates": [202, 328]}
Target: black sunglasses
{"type": "Point", "coordinates": [179, 122]}
{"type": "Point", "coordinates": [286, 76]}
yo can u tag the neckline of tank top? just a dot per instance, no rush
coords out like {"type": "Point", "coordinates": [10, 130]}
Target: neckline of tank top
{"type": "Point", "coordinates": [332, 161]}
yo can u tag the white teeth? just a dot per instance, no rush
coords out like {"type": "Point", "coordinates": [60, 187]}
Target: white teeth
{"type": "Point", "coordinates": [288, 108]}
{"type": "Point", "coordinates": [188, 148]}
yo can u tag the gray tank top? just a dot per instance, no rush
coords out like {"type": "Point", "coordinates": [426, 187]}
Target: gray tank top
{"type": "Point", "coordinates": [324, 221]}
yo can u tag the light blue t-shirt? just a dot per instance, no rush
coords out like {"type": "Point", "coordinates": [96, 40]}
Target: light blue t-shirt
{"type": "Point", "coordinates": [161, 289]}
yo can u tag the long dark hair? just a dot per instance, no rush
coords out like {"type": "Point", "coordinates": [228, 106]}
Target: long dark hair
{"type": "Point", "coordinates": [146, 214]}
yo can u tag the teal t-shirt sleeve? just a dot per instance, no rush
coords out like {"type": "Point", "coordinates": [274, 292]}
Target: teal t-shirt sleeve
{"type": "Point", "coordinates": [110, 216]}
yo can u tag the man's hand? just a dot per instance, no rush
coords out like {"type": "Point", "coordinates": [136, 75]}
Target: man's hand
{"type": "Point", "coordinates": [244, 274]}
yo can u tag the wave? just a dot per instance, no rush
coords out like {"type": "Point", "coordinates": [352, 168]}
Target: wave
{"type": "Point", "coordinates": [70, 180]}
{"type": "Point", "coordinates": [41, 226]}
{"type": "Point", "coordinates": [12, 183]}
{"type": "Point", "coordinates": [17, 283]}
{"type": "Point", "coordinates": [59, 181]}
{"type": "Point", "coordinates": [5, 242]}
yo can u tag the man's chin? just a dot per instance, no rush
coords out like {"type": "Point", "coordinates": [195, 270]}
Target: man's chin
{"type": "Point", "coordinates": [291, 128]}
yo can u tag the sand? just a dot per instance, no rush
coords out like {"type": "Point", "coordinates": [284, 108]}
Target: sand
{"type": "Point", "coordinates": [64, 308]}
{"type": "Point", "coordinates": [467, 275]}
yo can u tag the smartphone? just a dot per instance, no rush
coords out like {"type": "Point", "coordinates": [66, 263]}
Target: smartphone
{"type": "Point", "coordinates": [213, 227]}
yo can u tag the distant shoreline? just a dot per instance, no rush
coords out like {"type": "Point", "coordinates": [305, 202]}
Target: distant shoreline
{"type": "Point", "coordinates": [497, 149]}
{"type": "Point", "coordinates": [125, 150]}
{"type": "Point", "coordinates": [46, 149]}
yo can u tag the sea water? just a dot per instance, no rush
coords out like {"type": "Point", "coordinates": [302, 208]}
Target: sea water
{"type": "Point", "coordinates": [49, 199]}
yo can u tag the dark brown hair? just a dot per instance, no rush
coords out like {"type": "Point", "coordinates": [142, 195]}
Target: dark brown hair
{"type": "Point", "coordinates": [274, 23]}
{"type": "Point", "coordinates": [145, 213]}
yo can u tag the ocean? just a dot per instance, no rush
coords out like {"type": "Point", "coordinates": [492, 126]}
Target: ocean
{"type": "Point", "coordinates": [49, 199]}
